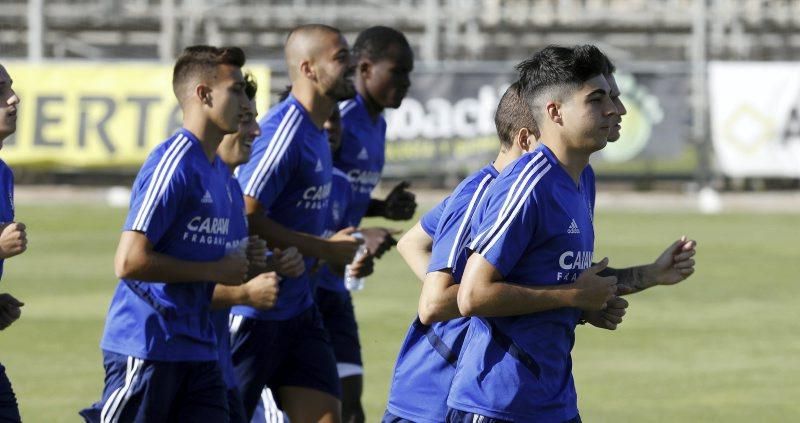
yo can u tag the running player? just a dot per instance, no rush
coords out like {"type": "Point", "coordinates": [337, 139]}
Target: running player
{"type": "Point", "coordinates": [159, 347]}
{"type": "Point", "coordinates": [426, 363]}
{"type": "Point", "coordinates": [261, 290]}
{"type": "Point", "coordinates": [13, 237]}
{"type": "Point", "coordinates": [384, 61]}
{"type": "Point", "coordinates": [287, 187]}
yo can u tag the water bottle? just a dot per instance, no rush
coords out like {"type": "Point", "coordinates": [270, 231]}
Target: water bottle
{"type": "Point", "coordinates": [353, 283]}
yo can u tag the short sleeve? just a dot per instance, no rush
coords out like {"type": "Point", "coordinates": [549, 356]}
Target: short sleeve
{"type": "Point", "coordinates": [273, 160]}
{"type": "Point", "coordinates": [159, 193]}
{"type": "Point", "coordinates": [430, 220]}
{"type": "Point", "coordinates": [453, 230]}
{"type": "Point", "coordinates": [505, 228]}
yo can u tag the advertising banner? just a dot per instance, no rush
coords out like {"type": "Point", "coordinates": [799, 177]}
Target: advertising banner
{"type": "Point", "coordinates": [755, 118]}
{"type": "Point", "coordinates": [446, 123]}
{"type": "Point", "coordinates": [96, 114]}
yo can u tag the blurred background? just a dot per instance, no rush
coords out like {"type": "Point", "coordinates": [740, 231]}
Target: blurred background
{"type": "Point", "coordinates": [710, 87]}
{"type": "Point", "coordinates": [710, 149]}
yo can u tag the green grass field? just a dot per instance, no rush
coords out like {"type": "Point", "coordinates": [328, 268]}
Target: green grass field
{"type": "Point", "coordinates": [723, 346]}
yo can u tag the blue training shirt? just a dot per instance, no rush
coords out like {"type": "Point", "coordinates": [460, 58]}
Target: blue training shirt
{"type": "Point", "coordinates": [289, 173]}
{"type": "Point", "coordinates": [237, 239]}
{"type": "Point", "coordinates": [427, 361]}
{"type": "Point", "coordinates": [535, 226]}
{"type": "Point", "coordinates": [339, 217]}
{"type": "Point", "coordinates": [362, 153]}
{"type": "Point", "coordinates": [180, 202]}
{"type": "Point", "coordinates": [430, 220]}
{"type": "Point", "coordinates": [6, 199]}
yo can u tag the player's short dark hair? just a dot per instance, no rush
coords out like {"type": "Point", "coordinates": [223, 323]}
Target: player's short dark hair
{"type": "Point", "coordinates": [250, 85]}
{"type": "Point", "coordinates": [375, 43]}
{"type": "Point", "coordinates": [512, 114]}
{"type": "Point", "coordinates": [556, 71]}
{"type": "Point", "coordinates": [201, 62]}
{"type": "Point", "coordinates": [610, 66]}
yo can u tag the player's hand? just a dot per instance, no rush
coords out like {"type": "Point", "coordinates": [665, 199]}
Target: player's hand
{"type": "Point", "coordinates": [232, 268]}
{"type": "Point", "coordinates": [256, 254]}
{"type": "Point", "coordinates": [592, 291]}
{"type": "Point", "coordinates": [262, 290]}
{"type": "Point", "coordinates": [362, 267]}
{"type": "Point", "coordinates": [675, 263]}
{"type": "Point", "coordinates": [9, 310]}
{"type": "Point", "coordinates": [288, 262]}
{"type": "Point", "coordinates": [379, 240]}
{"type": "Point", "coordinates": [610, 317]}
{"type": "Point", "coordinates": [342, 247]}
{"type": "Point", "coordinates": [400, 204]}
{"type": "Point", "coordinates": [13, 240]}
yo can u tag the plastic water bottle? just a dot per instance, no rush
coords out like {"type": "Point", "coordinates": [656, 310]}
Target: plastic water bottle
{"type": "Point", "coordinates": [353, 283]}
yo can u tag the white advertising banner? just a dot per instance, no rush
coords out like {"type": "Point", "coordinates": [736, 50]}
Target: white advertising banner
{"type": "Point", "coordinates": [755, 118]}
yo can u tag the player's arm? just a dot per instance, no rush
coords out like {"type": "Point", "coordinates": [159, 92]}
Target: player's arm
{"type": "Point", "coordinates": [400, 204]}
{"type": "Point", "coordinates": [415, 248]}
{"type": "Point", "coordinates": [484, 292]}
{"type": "Point", "coordinates": [338, 250]}
{"type": "Point", "coordinates": [135, 259]}
{"type": "Point", "coordinates": [260, 292]}
{"type": "Point", "coordinates": [438, 301]}
{"type": "Point", "coordinates": [673, 265]}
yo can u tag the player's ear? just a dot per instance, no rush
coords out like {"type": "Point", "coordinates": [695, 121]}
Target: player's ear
{"type": "Point", "coordinates": [203, 93]}
{"type": "Point", "coordinates": [523, 139]}
{"type": "Point", "coordinates": [553, 112]}
{"type": "Point", "coordinates": [307, 70]}
{"type": "Point", "coordinates": [364, 68]}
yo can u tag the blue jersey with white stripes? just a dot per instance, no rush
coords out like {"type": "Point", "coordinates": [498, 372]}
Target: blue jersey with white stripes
{"type": "Point", "coordinates": [535, 227]}
{"type": "Point", "coordinates": [237, 240]}
{"type": "Point", "coordinates": [6, 199]}
{"type": "Point", "coordinates": [430, 220]}
{"type": "Point", "coordinates": [339, 217]}
{"type": "Point", "coordinates": [182, 204]}
{"type": "Point", "coordinates": [289, 173]}
{"type": "Point", "coordinates": [362, 153]}
{"type": "Point", "coordinates": [426, 364]}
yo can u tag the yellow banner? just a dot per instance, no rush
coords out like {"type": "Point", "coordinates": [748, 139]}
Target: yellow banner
{"type": "Point", "coordinates": [96, 115]}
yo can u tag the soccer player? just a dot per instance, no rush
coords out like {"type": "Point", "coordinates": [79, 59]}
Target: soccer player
{"type": "Point", "coordinates": [535, 227]}
{"type": "Point", "coordinates": [13, 237]}
{"type": "Point", "coordinates": [287, 186]}
{"type": "Point", "coordinates": [261, 290]}
{"type": "Point", "coordinates": [159, 347]}
{"type": "Point", "coordinates": [426, 363]}
{"type": "Point", "coordinates": [384, 61]}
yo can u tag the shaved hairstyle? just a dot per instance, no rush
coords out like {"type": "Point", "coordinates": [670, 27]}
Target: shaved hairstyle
{"type": "Point", "coordinates": [555, 72]}
{"type": "Point", "coordinates": [513, 114]}
{"type": "Point", "coordinates": [199, 64]}
{"type": "Point", "coordinates": [300, 44]}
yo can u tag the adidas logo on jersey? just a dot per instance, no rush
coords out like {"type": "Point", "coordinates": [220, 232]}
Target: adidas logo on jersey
{"type": "Point", "coordinates": [207, 198]}
{"type": "Point", "coordinates": [573, 228]}
{"type": "Point", "coordinates": [363, 155]}
{"type": "Point", "coordinates": [319, 166]}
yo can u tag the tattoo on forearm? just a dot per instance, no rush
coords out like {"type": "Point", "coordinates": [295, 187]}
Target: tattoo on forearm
{"type": "Point", "coordinates": [633, 278]}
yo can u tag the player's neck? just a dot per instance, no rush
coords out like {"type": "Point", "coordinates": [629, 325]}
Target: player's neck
{"type": "Point", "coordinates": [572, 160]}
{"type": "Point", "coordinates": [505, 157]}
{"type": "Point", "coordinates": [209, 135]}
{"type": "Point", "coordinates": [319, 107]}
{"type": "Point", "coordinates": [373, 108]}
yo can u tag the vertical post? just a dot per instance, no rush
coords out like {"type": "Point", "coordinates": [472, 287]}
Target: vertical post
{"type": "Point", "coordinates": [166, 45]}
{"type": "Point", "coordinates": [35, 30]}
{"type": "Point", "coordinates": [699, 83]}
{"type": "Point", "coordinates": [430, 44]}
